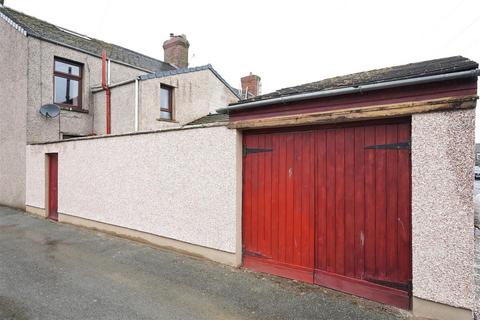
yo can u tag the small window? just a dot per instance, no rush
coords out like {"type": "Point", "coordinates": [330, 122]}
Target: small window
{"type": "Point", "coordinates": [166, 110]}
{"type": "Point", "coordinates": [67, 79]}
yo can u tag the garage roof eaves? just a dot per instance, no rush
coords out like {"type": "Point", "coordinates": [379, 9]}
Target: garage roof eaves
{"type": "Point", "coordinates": [395, 75]}
{"type": "Point", "coordinates": [350, 90]}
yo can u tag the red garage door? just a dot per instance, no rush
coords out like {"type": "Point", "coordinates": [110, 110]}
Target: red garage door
{"type": "Point", "coordinates": [331, 206]}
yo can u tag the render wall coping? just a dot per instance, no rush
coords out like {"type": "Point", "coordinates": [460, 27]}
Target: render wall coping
{"type": "Point", "coordinates": [186, 127]}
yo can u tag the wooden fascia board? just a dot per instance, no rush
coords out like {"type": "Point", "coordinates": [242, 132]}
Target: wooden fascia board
{"type": "Point", "coordinates": [362, 113]}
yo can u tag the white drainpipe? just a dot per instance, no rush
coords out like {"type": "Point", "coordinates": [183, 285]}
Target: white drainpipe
{"type": "Point", "coordinates": [108, 72]}
{"type": "Point", "coordinates": [136, 105]}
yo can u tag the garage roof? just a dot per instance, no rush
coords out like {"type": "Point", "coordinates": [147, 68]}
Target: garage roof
{"type": "Point", "coordinates": [211, 118]}
{"type": "Point", "coordinates": [43, 30]}
{"type": "Point", "coordinates": [407, 71]}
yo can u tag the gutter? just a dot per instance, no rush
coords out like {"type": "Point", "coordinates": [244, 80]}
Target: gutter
{"type": "Point", "coordinates": [350, 90]}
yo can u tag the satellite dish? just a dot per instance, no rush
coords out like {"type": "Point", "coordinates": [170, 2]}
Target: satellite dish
{"type": "Point", "coordinates": [50, 110]}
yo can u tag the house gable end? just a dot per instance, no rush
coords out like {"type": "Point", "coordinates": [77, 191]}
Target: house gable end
{"type": "Point", "coordinates": [12, 23]}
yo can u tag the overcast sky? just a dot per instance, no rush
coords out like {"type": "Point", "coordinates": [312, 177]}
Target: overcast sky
{"type": "Point", "coordinates": [286, 43]}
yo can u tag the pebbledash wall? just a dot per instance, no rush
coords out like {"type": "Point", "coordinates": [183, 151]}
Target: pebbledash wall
{"type": "Point", "coordinates": [442, 210]}
{"type": "Point", "coordinates": [13, 99]}
{"type": "Point", "coordinates": [124, 180]}
{"type": "Point", "coordinates": [181, 185]}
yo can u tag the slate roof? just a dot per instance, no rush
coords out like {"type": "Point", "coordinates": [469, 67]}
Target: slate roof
{"type": "Point", "coordinates": [46, 31]}
{"type": "Point", "coordinates": [162, 74]}
{"type": "Point", "coordinates": [211, 118]}
{"type": "Point", "coordinates": [407, 71]}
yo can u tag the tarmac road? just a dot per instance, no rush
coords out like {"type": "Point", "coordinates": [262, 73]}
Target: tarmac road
{"type": "Point", "coordinates": [55, 271]}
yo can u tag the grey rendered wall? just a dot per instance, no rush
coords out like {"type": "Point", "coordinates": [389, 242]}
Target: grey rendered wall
{"type": "Point", "coordinates": [40, 83]}
{"type": "Point", "coordinates": [13, 99]}
{"type": "Point", "coordinates": [442, 207]}
{"type": "Point", "coordinates": [122, 110]}
{"type": "Point", "coordinates": [220, 97]}
{"type": "Point", "coordinates": [196, 94]}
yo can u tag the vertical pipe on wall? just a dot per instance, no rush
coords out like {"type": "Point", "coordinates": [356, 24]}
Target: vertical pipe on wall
{"type": "Point", "coordinates": [136, 105]}
{"type": "Point", "coordinates": [108, 72]}
{"type": "Point", "coordinates": [107, 90]}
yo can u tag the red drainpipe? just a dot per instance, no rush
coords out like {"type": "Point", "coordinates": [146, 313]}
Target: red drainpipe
{"type": "Point", "coordinates": [106, 88]}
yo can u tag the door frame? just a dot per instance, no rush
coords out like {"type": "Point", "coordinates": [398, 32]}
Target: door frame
{"type": "Point", "coordinates": [51, 193]}
{"type": "Point", "coordinates": [362, 288]}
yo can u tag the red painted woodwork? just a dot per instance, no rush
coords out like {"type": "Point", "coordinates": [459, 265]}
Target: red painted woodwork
{"type": "Point", "coordinates": [321, 207]}
{"type": "Point", "coordinates": [365, 289]}
{"type": "Point", "coordinates": [53, 186]}
{"type": "Point", "coordinates": [452, 88]}
{"type": "Point", "coordinates": [279, 269]}
{"type": "Point", "coordinates": [279, 200]}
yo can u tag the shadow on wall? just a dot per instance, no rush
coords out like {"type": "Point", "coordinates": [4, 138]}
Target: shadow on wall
{"type": "Point", "coordinates": [477, 206]}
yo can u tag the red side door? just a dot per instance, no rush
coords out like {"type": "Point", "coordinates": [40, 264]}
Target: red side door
{"type": "Point", "coordinates": [331, 206]}
{"type": "Point", "coordinates": [278, 219]}
{"type": "Point", "coordinates": [53, 186]}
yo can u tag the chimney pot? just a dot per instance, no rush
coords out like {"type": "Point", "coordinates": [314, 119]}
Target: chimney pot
{"type": "Point", "coordinates": [175, 50]}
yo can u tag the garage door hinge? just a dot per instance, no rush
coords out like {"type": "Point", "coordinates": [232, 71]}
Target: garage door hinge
{"type": "Point", "coordinates": [400, 145]}
{"type": "Point", "coordinates": [247, 150]}
{"type": "Point", "coordinates": [396, 285]}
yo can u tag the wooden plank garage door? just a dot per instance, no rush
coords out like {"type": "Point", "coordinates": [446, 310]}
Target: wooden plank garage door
{"type": "Point", "coordinates": [331, 205]}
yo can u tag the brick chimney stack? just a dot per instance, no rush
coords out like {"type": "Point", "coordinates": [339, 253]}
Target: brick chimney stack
{"type": "Point", "coordinates": [251, 86]}
{"type": "Point", "coordinates": [175, 50]}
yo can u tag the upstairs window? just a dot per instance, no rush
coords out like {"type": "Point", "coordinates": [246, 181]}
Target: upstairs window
{"type": "Point", "coordinates": [67, 79]}
{"type": "Point", "coordinates": [166, 109]}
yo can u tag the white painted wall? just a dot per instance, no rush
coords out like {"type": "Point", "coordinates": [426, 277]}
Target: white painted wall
{"type": "Point", "coordinates": [442, 206]}
{"type": "Point", "coordinates": [180, 184]}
